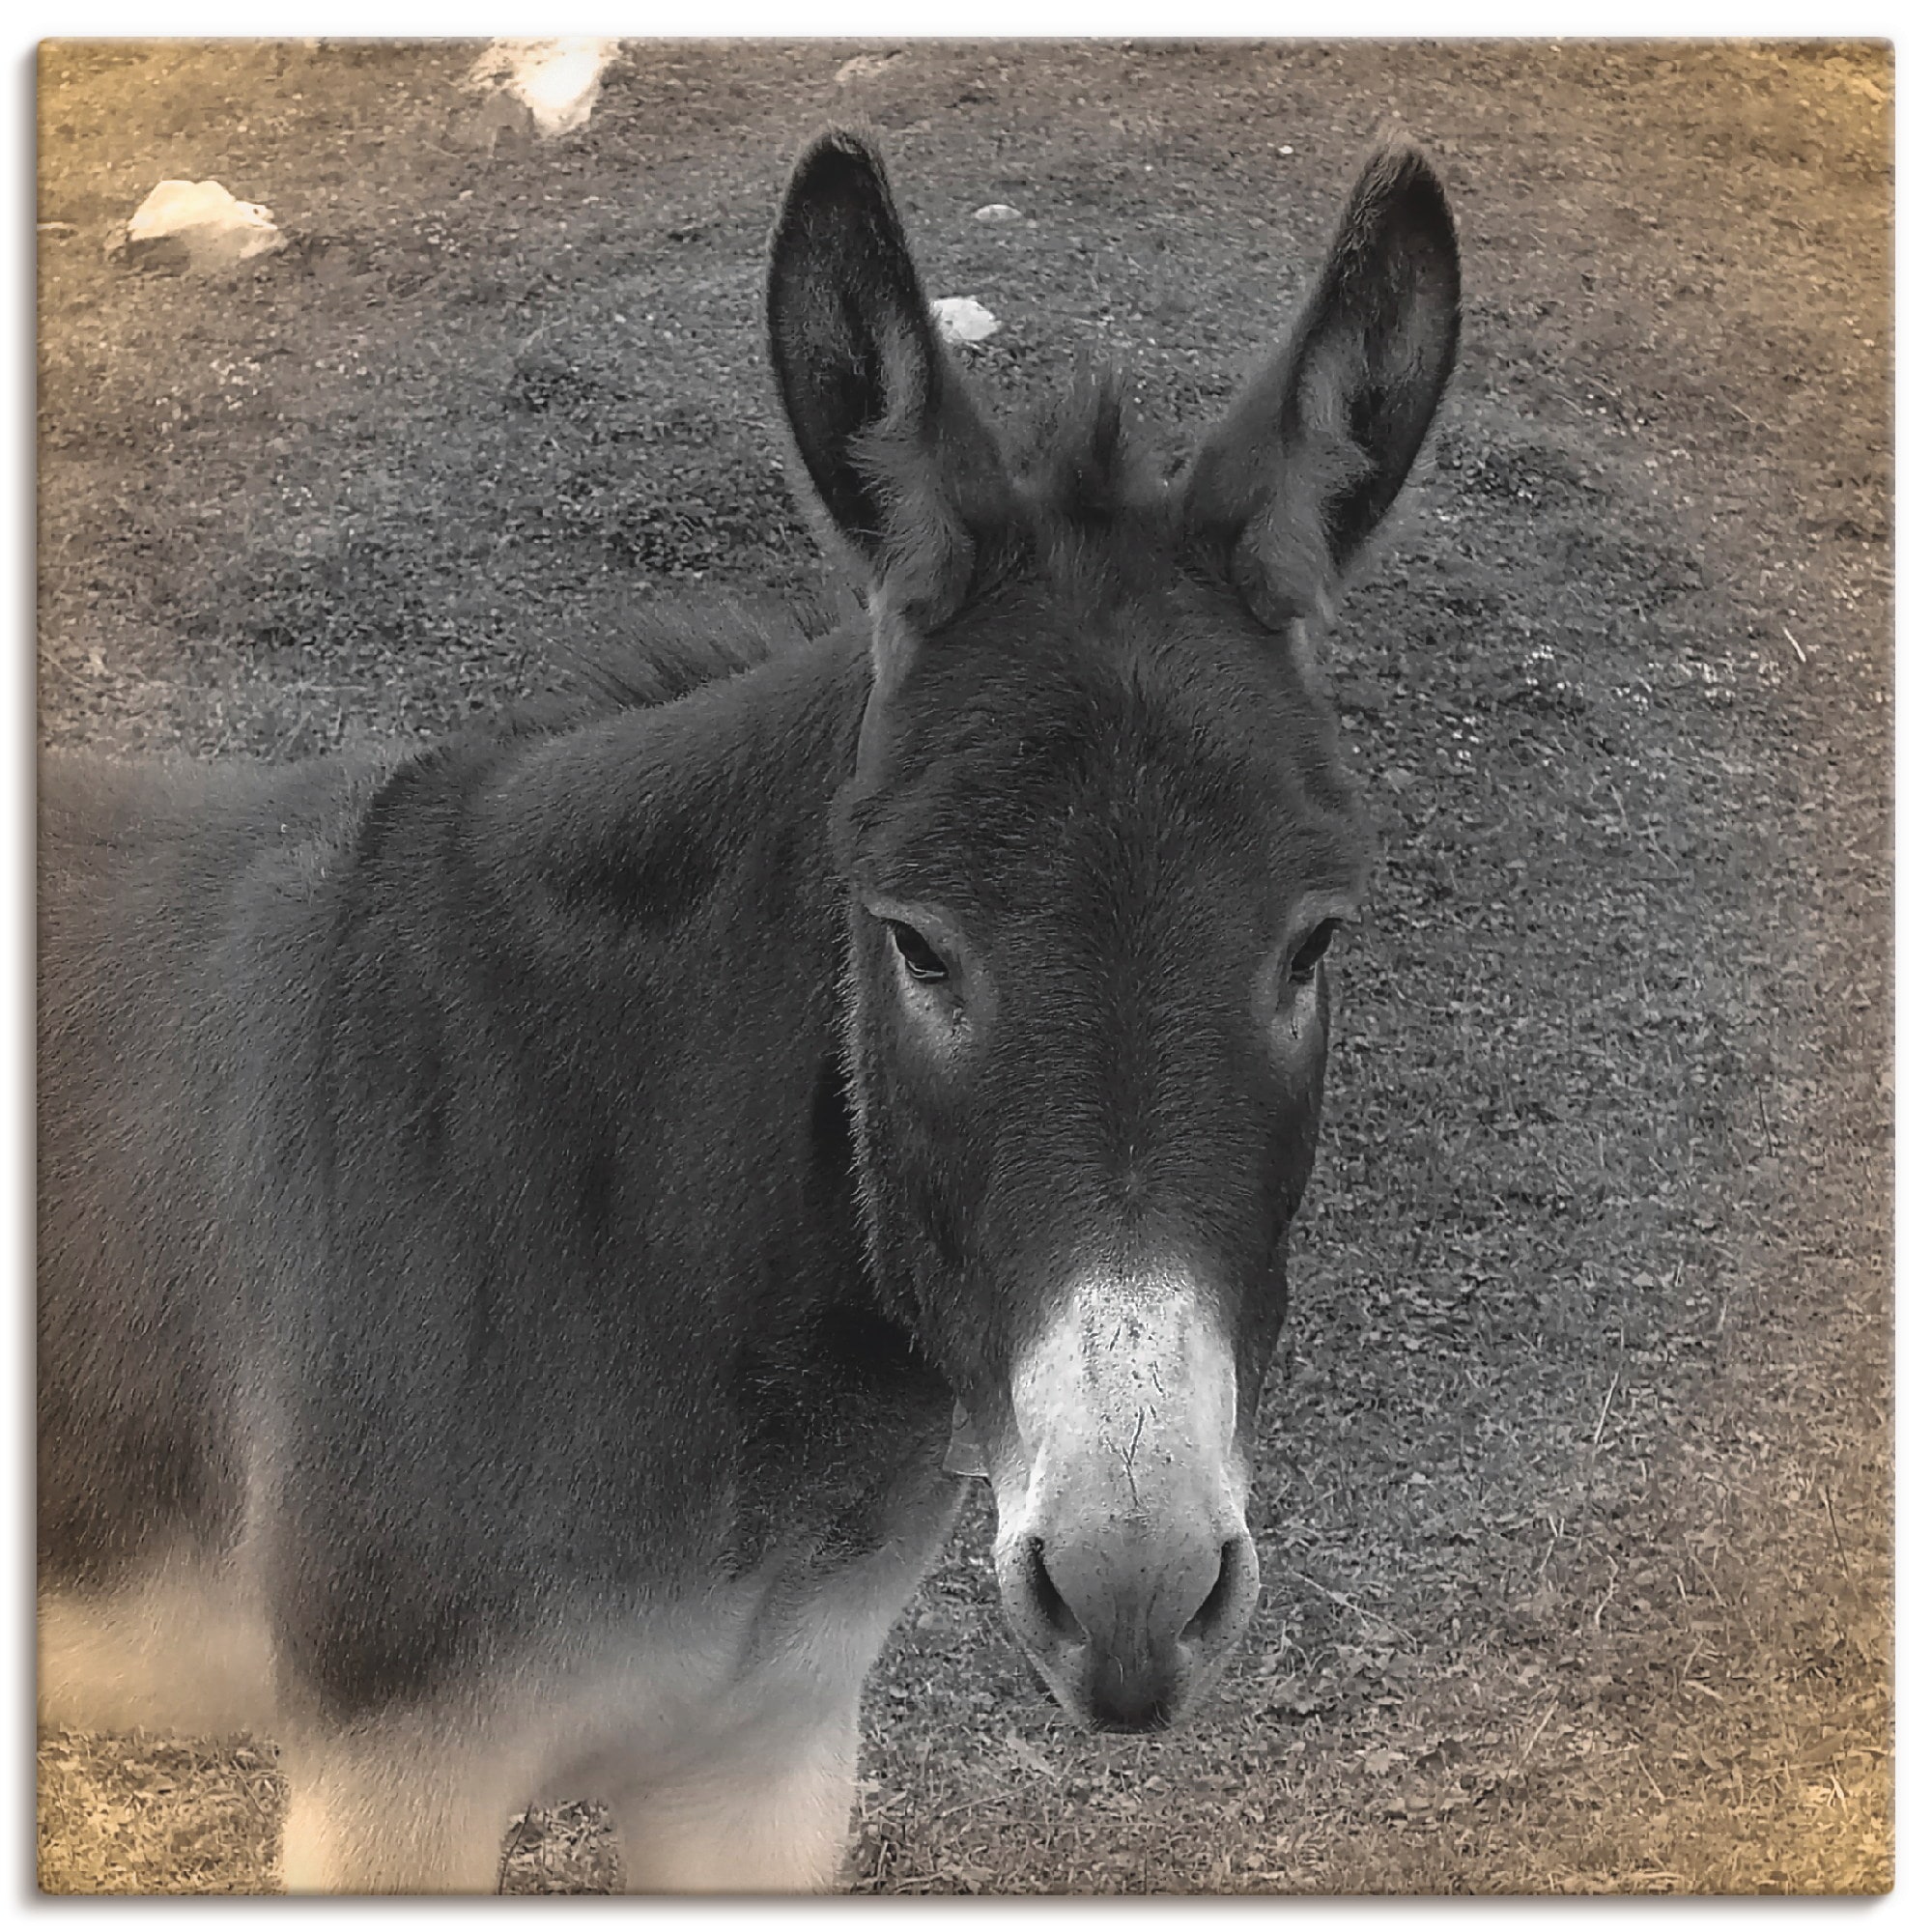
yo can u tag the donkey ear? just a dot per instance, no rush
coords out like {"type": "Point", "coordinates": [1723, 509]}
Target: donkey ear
{"type": "Point", "coordinates": [1287, 489]}
{"type": "Point", "coordinates": [910, 475]}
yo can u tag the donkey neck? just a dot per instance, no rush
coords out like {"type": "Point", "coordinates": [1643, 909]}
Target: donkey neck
{"type": "Point", "coordinates": [687, 849]}
{"type": "Point", "coordinates": [618, 950]}
{"type": "Point", "coordinates": [677, 820]}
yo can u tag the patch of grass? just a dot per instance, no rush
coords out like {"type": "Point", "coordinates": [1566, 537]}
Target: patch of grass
{"type": "Point", "coordinates": [139, 1815]}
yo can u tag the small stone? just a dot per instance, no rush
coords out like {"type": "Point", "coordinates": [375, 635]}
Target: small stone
{"type": "Point", "coordinates": [862, 67]}
{"type": "Point", "coordinates": [963, 319]}
{"type": "Point", "coordinates": [997, 211]}
{"type": "Point", "coordinates": [203, 220]}
{"type": "Point", "coordinates": [558, 81]}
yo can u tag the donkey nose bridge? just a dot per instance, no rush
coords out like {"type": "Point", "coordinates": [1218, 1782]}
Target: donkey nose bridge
{"type": "Point", "coordinates": [1125, 1557]}
{"type": "Point", "coordinates": [1126, 1403]}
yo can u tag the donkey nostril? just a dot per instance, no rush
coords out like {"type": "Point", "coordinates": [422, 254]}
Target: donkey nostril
{"type": "Point", "coordinates": [1056, 1608]}
{"type": "Point", "coordinates": [1214, 1607]}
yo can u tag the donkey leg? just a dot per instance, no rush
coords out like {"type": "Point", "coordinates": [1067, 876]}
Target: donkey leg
{"type": "Point", "coordinates": [396, 1805]}
{"type": "Point", "coordinates": [770, 1812]}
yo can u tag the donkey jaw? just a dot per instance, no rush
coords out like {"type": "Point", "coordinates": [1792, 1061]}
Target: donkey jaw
{"type": "Point", "coordinates": [1123, 1555]}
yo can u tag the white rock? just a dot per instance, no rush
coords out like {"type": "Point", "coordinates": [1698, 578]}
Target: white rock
{"type": "Point", "coordinates": [997, 211]}
{"type": "Point", "coordinates": [963, 319]}
{"type": "Point", "coordinates": [558, 80]}
{"type": "Point", "coordinates": [862, 67]}
{"type": "Point", "coordinates": [217, 230]}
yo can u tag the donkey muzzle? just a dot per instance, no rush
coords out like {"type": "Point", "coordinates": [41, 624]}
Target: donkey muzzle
{"type": "Point", "coordinates": [1123, 1555]}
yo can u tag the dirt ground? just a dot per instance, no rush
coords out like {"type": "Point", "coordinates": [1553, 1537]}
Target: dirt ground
{"type": "Point", "coordinates": [1576, 1500]}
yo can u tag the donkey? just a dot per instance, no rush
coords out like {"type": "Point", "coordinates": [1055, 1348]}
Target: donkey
{"type": "Point", "coordinates": [532, 1235]}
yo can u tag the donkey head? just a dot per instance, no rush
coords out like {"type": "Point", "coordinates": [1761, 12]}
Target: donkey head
{"type": "Point", "coordinates": [1097, 841]}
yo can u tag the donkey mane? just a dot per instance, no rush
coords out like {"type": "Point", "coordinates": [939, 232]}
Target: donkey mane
{"type": "Point", "coordinates": [664, 652]}
{"type": "Point", "coordinates": [661, 653]}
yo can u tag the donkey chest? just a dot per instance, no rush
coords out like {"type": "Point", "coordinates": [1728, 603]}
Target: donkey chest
{"type": "Point", "coordinates": [775, 1653]}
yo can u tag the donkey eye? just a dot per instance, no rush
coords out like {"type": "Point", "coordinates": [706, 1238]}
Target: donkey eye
{"type": "Point", "coordinates": [1302, 966]}
{"type": "Point", "coordinates": [918, 958]}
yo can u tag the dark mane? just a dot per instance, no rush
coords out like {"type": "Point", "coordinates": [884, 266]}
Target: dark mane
{"type": "Point", "coordinates": [664, 651]}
